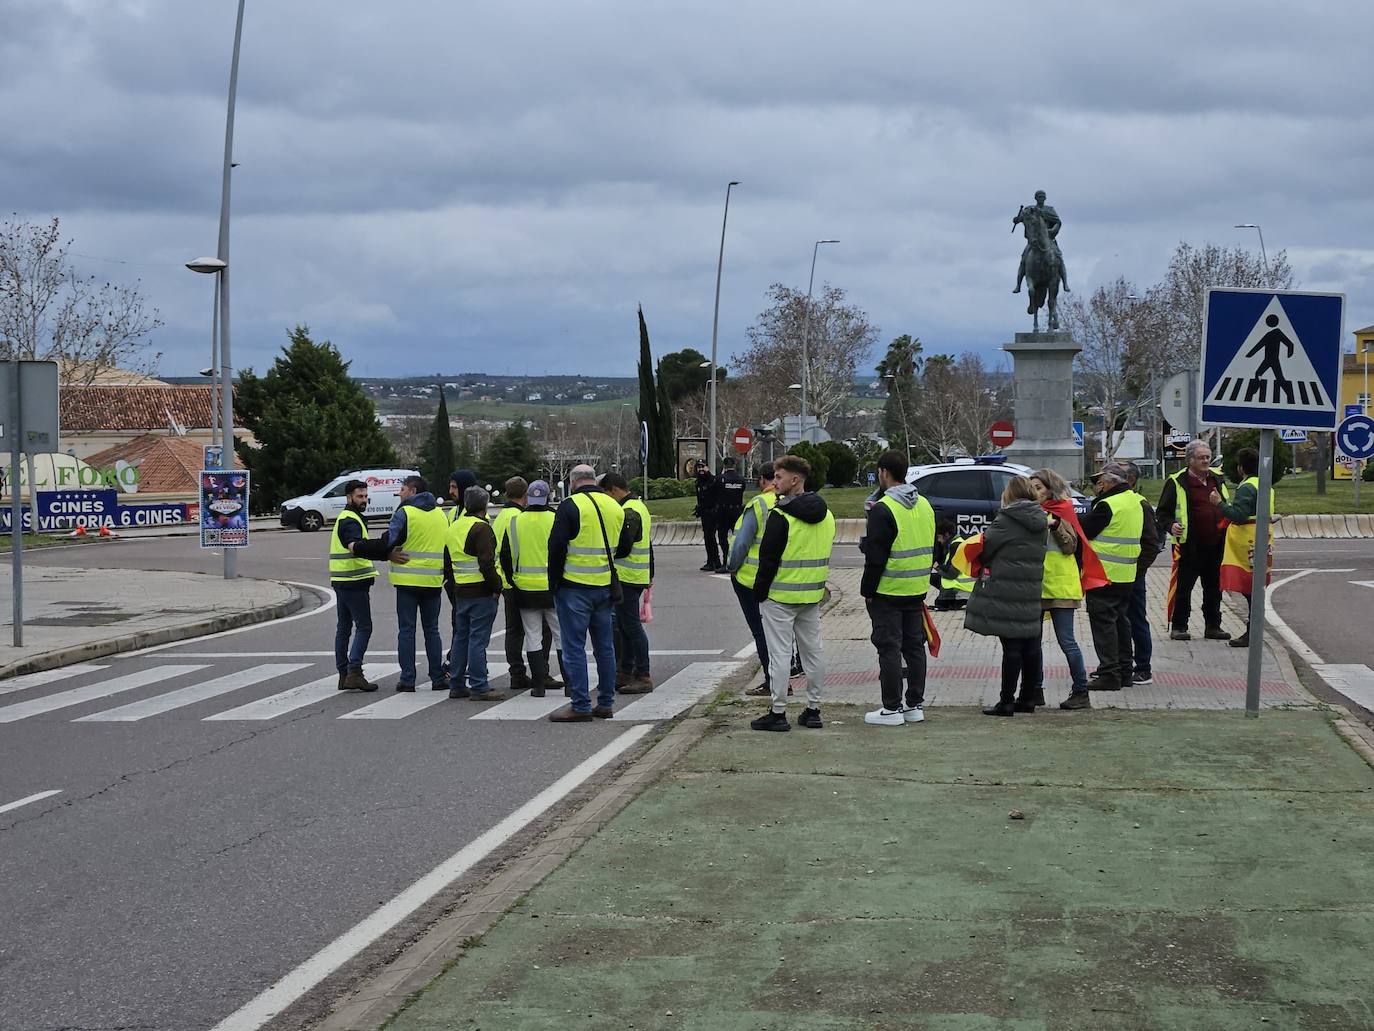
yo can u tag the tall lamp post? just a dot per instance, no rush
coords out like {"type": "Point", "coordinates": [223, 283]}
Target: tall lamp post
{"type": "Point", "coordinates": [715, 321]}
{"type": "Point", "coordinates": [806, 335]}
{"type": "Point", "coordinates": [1264, 257]}
{"type": "Point", "coordinates": [212, 267]}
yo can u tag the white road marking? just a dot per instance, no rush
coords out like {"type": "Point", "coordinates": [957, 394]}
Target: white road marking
{"type": "Point", "coordinates": [46, 676]}
{"type": "Point", "coordinates": [325, 606]}
{"type": "Point", "coordinates": [404, 704]}
{"type": "Point", "coordinates": [524, 707]}
{"type": "Point", "coordinates": [678, 692]}
{"type": "Point", "coordinates": [91, 692]}
{"type": "Point", "coordinates": [1354, 680]}
{"type": "Point", "coordinates": [749, 651]}
{"type": "Point", "coordinates": [298, 697]}
{"type": "Point", "coordinates": [258, 1011]}
{"type": "Point", "coordinates": [31, 798]}
{"type": "Point", "coordinates": [1273, 619]}
{"type": "Point", "coordinates": [159, 704]}
{"type": "Point", "coordinates": [1363, 583]}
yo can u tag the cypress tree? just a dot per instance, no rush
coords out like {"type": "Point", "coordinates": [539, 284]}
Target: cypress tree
{"type": "Point", "coordinates": [654, 409]}
{"type": "Point", "coordinates": [436, 453]}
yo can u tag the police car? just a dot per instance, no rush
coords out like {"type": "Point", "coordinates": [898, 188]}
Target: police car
{"type": "Point", "coordinates": [309, 512]}
{"type": "Point", "coordinates": [969, 491]}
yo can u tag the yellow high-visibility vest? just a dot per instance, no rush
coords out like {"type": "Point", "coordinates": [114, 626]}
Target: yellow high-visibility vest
{"type": "Point", "coordinates": [465, 568]}
{"type": "Point", "coordinates": [634, 568]}
{"type": "Point", "coordinates": [805, 564]}
{"type": "Point", "coordinates": [589, 553]}
{"type": "Point", "coordinates": [1118, 546]}
{"type": "Point", "coordinates": [528, 533]}
{"type": "Point", "coordinates": [907, 573]}
{"type": "Point", "coordinates": [1181, 498]}
{"type": "Point", "coordinates": [761, 505]}
{"type": "Point", "coordinates": [344, 568]}
{"type": "Point", "coordinates": [425, 537]}
{"type": "Point", "coordinates": [501, 526]}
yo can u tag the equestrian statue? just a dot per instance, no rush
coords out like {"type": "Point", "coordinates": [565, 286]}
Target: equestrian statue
{"type": "Point", "coordinates": [1042, 264]}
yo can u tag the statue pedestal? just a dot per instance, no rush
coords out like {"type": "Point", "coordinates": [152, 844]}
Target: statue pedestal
{"type": "Point", "coordinates": [1042, 379]}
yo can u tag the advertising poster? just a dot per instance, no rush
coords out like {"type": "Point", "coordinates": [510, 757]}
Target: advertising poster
{"type": "Point", "coordinates": [223, 508]}
{"type": "Point", "coordinates": [691, 452]}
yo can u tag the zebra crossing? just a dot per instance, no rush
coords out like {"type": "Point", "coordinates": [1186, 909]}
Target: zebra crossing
{"type": "Point", "coordinates": [179, 685]}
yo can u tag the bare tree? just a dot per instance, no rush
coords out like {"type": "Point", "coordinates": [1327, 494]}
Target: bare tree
{"type": "Point", "coordinates": [960, 400]}
{"type": "Point", "coordinates": [839, 341]}
{"type": "Point", "coordinates": [740, 401]}
{"type": "Point", "coordinates": [48, 312]}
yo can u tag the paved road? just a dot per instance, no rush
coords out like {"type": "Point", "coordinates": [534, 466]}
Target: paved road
{"type": "Point", "coordinates": [224, 812]}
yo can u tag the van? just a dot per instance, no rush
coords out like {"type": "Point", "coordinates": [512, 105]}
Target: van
{"type": "Point", "coordinates": [309, 512]}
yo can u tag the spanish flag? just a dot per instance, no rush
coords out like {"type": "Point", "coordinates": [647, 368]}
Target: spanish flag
{"type": "Point", "coordinates": [1173, 587]}
{"type": "Point", "coordinates": [932, 634]}
{"type": "Point", "coordinates": [1238, 559]}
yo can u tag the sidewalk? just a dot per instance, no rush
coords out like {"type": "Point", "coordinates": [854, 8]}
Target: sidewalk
{"type": "Point", "coordinates": [72, 615]}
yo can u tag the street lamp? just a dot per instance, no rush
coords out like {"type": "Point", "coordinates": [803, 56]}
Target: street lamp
{"type": "Point", "coordinates": [212, 267]}
{"type": "Point", "coordinates": [806, 334]}
{"type": "Point", "coordinates": [715, 321]}
{"type": "Point", "coordinates": [1268, 279]}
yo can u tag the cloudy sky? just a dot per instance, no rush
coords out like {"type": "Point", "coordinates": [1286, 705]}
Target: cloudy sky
{"type": "Point", "coordinates": [447, 186]}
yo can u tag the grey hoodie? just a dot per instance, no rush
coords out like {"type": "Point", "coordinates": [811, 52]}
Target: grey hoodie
{"type": "Point", "coordinates": [1006, 600]}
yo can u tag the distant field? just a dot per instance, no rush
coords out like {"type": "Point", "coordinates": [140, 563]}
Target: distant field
{"type": "Point", "coordinates": [501, 410]}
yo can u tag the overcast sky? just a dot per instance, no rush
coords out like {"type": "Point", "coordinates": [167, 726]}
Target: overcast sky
{"type": "Point", "coordinates": [445, 186]}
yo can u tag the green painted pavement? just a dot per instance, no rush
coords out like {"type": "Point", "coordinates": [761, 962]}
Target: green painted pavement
{"type": "Point", "coordinates": [1172, 870]}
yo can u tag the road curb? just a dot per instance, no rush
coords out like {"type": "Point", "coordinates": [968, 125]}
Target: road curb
{"type": "Point", "coordinates": [162, 635]}
{"type": "Point", "coordinates": [371, 1005]}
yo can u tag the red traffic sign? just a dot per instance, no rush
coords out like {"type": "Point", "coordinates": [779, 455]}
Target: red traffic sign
{"type": "Point", "coordinates": [744, 439]}
{"type": "Point", "coordinates": [1002, 433]}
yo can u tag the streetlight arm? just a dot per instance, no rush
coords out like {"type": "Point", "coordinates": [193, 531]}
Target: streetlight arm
{"type": "Point", "coordinates": [715, 322]}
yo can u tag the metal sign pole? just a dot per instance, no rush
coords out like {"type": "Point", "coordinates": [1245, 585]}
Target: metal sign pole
{"type": "Point", "coordinates": [16, 510]}
{"type": "Point", "coordinates": [1259, 574]}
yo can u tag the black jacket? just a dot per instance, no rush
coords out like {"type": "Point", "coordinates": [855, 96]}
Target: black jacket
{"type": "Point", "coordinates": [1167, 512]}
{"type": "Point", "coordinates": [708, 494]}
{"type": "Point", "coordinates": [567, 524]}
{"type": "Point", "coordinates": [879, 536]}
{"type": "Point", "coordinates": [1099, 517]}
{"type": "Point", "coordinates": [809, 507]}
{"type": "Point", "coordinates": [729, 496]}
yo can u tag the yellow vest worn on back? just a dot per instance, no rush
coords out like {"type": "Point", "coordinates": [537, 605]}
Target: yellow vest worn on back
{"type": "Point", "coordinates": [1118, 546]}
{"type": "Point", "coordinates": [634, 568]}
{"type": "Point", "coordinates": [907, 573]}
{"type": "Point", "coordinates": [528, 533]}
{"type": "Point", "coordinates": [343, 567]}
{"type": "Point", "coordinates": [426, 533]}
{"type": "Point", "coordinates": [805, 565]}
{"type": "Point", "coordinates": [761, 505]}
{"type": "Point", "coordinates": [501, 526]}
{"type": "Point", "coordinates": [1181, 498]}
{"type": "Point", "coordinates": [465, 567]}
{"type": "Point", "coordinates": [589, 553]}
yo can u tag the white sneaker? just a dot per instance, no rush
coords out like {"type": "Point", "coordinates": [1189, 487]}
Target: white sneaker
{"type": "Point", "coordinates": [884, 717]}
{"type": "Point", "coordinates": [914, 714]}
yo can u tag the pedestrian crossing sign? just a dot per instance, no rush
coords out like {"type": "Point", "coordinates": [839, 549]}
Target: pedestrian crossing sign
{"type": "Point", "coordinates": [1271, 359]}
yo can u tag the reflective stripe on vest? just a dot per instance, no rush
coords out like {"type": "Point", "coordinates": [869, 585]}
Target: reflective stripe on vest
{"type": "Point", "coordinates": [528, 533]}
{"type": "Point", "coordinates": [805, 564]}
{"type": "Point", "coordinates": [748, 572]}
{"type": "Point", "coordinates": [343, 566]}
{"type": "Point", "coordinates": [634, 567]}
{"type": "Point", "coordinates": [501, 526]}
{"type": "Point", "coordinates": [1181, 498]}
{"type": "Point", "coordinates": [465, 567]}
{"type": "Point", "coordinates": [1118, 546]}
{"type": "Point", "coordinates": [424, 543]}
{"type": "Point", "coordinates": [907, 572]}
{"type": "Point", "coordinates": [588, 561]}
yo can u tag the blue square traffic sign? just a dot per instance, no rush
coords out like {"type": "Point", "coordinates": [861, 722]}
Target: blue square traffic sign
{"type": "Point", "coordinates": [1271, 359]}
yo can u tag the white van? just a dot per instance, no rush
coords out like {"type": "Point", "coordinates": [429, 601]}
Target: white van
{"type": "Point", "coordinates": [309, 512]}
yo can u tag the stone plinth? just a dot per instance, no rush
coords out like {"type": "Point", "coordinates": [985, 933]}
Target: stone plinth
{"type": "Point", "coordinates": [1042, 378]}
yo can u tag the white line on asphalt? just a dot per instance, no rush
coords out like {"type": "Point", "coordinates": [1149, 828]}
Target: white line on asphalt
{"type": "Point", "coordinates": [749, 651]}
{"type": "Point", "coordinates": [679, 691]}
{"type": "Point", "coordinates": [523, 706]}
{"type": "Point", "coordinates": [31, 798]}
{"type": "Point", "coordinates": [258, 1011]}
{"type": "Point", "coordinates": [1273, 618]}
{"type": "Point", "coordinates": [404, 704]}
{"type": "Point", "coordinates": [46, 676]}
{"type": "Point", "coordinates": [298, 697]}
{"type": "Point", "coordinates": [324, 606]}
{"type": "Point", "coordinates": [89, 693]}
{"type": "Point", "coordinates": [159, 704]}
{"type": "Point", "coordinates": [655, 651]}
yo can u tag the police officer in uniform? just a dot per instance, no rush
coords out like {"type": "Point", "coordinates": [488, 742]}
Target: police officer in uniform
{"type": "Point", "coordinates": [729, 506]}
{"type": "Point", "coordinates": [708, 496]}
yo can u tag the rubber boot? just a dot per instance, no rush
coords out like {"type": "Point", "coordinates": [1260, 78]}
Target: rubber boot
{"type": "Point", "coordinates": [539, 673]}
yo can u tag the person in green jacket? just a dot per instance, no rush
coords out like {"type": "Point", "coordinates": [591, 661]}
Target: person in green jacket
{"type": "Point", "coordinates": [1240, 510]}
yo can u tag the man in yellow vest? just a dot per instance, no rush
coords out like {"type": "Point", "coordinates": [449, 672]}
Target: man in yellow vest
{"type": "Point", "coordinates": [1185, 510]}
{"type": "Point", "coordinates": [636, 573]}
{"type": "Point", "coordinates": [351, 577]}
{"type": "Point", "coordinates": [524, 561]}
{"type": "Point", "coordinates": [475, 585]}
{"type": "Point", "coordinates": [589, 533]}
{"type": "Point", "coordinates": [419, 528]}
{"type": "Point", "coordinates": [794, 564]}
{"type": "Point", "coordinates": [1115, 525]}
{"type": "Point", "coordinates": [898, 548]}
{"type": "Point", "coordinates": [743, 563]}
{"type": "Point", "coordinates": [516, 500]}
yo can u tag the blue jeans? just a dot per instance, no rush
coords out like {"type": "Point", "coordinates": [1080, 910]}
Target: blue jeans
{"type": "Point", "coordinates": [582, 610]}
{"type": "Point", "coordinates": [632, 643]}
{"type": "Point", "coordinates": [472, 620]}
{"type": "Point", "coordinates": [354, 607]}
{"type": "Point", "coordinates": [427, 602]}
{"type": "Point", "coordinates": [1140, 627]}
{"type": "Point", "coordinates": [1062, 620]}
{"type": "Point", "coordinates": [749, 605]}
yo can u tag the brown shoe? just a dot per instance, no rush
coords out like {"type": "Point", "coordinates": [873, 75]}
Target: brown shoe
{"type": "Point", "coordinates": [635, 685]}
{"type": "Point", "coordinates": [355, 681]}
{"type": "Point", "coordinates": [622, 679]}
{"type": "Point", "coordinates": [567, 714]}
{"type": "Point", "coordinates": [603, 713]}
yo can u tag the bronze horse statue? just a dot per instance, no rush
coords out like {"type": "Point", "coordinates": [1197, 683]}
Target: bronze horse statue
{"type": "Point", "coordinates": [1043, 267]}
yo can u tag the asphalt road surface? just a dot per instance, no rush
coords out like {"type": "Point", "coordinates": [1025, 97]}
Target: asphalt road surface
{"type": "Point", "coordinates": [223, 813]}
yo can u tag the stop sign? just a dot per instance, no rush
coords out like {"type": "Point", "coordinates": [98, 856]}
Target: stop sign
{"type": "Point", "coordinates": [1002, 433]}
{"type": "Point", "coordinates": [744, 439]}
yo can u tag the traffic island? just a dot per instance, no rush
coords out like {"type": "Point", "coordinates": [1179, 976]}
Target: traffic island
{"type": "Point", "coordinates": [1124, 869]}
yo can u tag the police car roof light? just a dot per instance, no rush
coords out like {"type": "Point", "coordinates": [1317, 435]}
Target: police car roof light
{"type": "Point", "coordinates": [991, 459]}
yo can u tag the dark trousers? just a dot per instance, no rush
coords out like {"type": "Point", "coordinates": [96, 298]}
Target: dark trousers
{"type": "Point", "coordinates": [1196, 564]}
{"type": "Point", "coordinates": [749, 605]}
{"type": "Point", "coordinates": [1142, 643]}
{"type": "Point", "coordinates": [708, 532]}
{"type": "Point", "coordinates": [899, 634]}
{"type": "Point", "coordinates": [354, 606]}
{"type": "Point", "coordinates": [1023, 659]}
{"type": "Point", "coordinates": [631, 642]}
{"type": "Point", "coordinates": [1109, 614]}
{"type": "Point", "coordinates": [516, 645]}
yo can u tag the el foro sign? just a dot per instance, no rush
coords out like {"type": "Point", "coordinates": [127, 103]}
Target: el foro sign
{"type": "Point", "coordinates": [55, 474]}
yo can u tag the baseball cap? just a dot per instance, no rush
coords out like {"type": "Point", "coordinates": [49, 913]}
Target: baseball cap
{"type": "Point", "coordinates": [538, 493]}
{"type": "Point", "coordinates": [1116, 470]}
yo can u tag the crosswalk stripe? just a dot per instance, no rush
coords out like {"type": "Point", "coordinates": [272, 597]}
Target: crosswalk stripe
{"type": "Point", "coordinates": [684, 688]}
{"type": "Point", "coordinates": [524, 707]}
{"type": "Point", "coordinates": [92, 692]}
{"type": "Point", "coordinates": [195, 693]}
{"type": "Point", "coordinates": [299, 697]}
{"type": "Point", "coordinates": [404, 704]}
{"type": "Point", "coordinates": [46, 676]}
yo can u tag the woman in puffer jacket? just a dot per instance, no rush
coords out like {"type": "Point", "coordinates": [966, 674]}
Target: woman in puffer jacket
{"type": "Point", "coordinates": [1006, 599]}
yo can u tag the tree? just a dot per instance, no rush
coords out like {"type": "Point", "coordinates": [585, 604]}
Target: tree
{"type": "Point", "coordinates": [820, 464]}
{"type": "Point", "coordinates": [959, 401]}
{"type": "Point", "coordinates": [465, 457]}
{"type": "Point", "coordinates": [681, 373]}
{"type": "Point", "coordinates": [654, 409]}
{"type": "Point", "coordinates": [50, 313]}
{"type": "Point", "coordinates": [1283, 453]}
{"type": "Point", "coordinates": [839, 341]}
{"type": "Point", "coordinates": [436, 453]}
{"type": "Point", "coordinates": [898, 371]}
{"type": "Point", "coordinates": [510, 453]}
{"type": "Point", "coordinates": [842, 465]}
{"type": "Point", "coordinates": [310, 419]}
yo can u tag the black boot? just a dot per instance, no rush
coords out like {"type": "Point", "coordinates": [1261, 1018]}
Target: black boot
{"type": "Point", "coordinates": [539, 673]}
{"type": "Point", "coordinates": [567, 691]}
